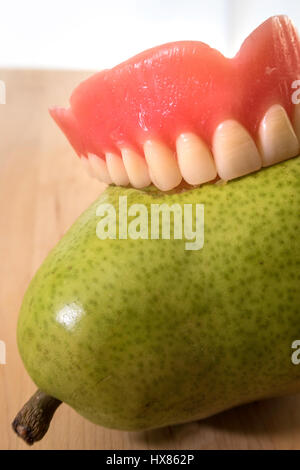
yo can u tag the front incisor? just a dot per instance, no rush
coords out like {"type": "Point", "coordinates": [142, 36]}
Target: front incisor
{"type": "Point", "coordinates": [234, 151]}
{"type": "Point", "coordinates": [163, 166]}
{"type": "Point", "coordinates": [195, 159]}
{"type": "Point", "coordinates": [276, 137]}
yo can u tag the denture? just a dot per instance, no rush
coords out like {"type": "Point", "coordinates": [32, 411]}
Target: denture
{"type": "Point", "coordinates": [184, 112]}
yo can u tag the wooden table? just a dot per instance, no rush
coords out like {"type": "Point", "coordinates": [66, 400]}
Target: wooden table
{"type": "Point", "coordinates": [42, 191]}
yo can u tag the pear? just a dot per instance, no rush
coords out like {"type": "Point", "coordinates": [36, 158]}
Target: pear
{"type": "Point", "coordinates": [138, 333]}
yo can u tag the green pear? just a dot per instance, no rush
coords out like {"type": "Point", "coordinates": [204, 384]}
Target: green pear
{"type": "Point", "coordinates": [137, 333]}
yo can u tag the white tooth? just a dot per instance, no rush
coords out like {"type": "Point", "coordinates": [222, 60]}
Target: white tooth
{"type": "Point", "coordinates": [116, 169]}
{"type": "Point", "coordinates": [297, 121]}
{"type": "Point", "coordinates": [276, 137]}
{"type": "Point", "coordinates": [234, 151]}
{"type": "Point", "coordinates": [85, 162]}
{"type": "Point", "coordinates": [99, 168]}
{"type": "Point", "coordinates": [163, 165]}
{"type": "Point", "coordinates": [136, 168]}
{"type": "Point", "coordinates": [195, 160]}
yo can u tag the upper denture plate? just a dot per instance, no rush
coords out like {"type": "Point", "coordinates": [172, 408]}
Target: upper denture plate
{"type": "Point", "coordinates": [276, 137]}
{"type": "Point", "coordinates": [297, 121]}
{"type": "Point", "coordinates": [195, 159]}
{"type": "Point", "coordinates": [116, 169]}
{"type": "Point", "coordinates": [136, 167]}
{"type": "Point", "coordinates": [99, 168]}
{"type": "Point", "coordinates": [234, 151]}
{"type": "Point", "coordinates": [163, 166]}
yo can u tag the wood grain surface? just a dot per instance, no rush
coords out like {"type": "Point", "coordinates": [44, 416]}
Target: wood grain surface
{"type": "Point", "coordinates": [43, 189]}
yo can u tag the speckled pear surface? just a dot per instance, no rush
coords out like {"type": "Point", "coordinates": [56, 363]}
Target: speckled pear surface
{"type": "Point", "coordinates": [137, 334]}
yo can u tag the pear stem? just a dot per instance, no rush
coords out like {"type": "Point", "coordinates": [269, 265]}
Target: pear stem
{"type": "Point", "coordinates": [33, 421]}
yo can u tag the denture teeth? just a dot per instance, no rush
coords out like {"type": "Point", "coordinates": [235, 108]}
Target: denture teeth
{"type": "Point", "coordinates": [116, 169]}
{"type": "Point", "coordinates": [276, 137]}
{"type": "Point", "coordinates": [85, 162]}
{"type": "Point", "coordinates": [136, 168]}
{"type": "Point", "coordinates": [163, 166]}
{"type": "Point", "coordinates": [297, 121]}
{"type": "Point", "coordinates": [195, 159]}
{"type": "Point", "coordinates": [99, 168]}
{"type": "Point", "coordinates": [234, 151]}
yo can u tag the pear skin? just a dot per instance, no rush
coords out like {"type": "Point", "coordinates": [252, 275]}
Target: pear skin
{"type": "Point", "coordinates": [139, 334]}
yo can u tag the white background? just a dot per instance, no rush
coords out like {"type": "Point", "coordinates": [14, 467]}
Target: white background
{"type": "Point", "coordinates": [95, 34]}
